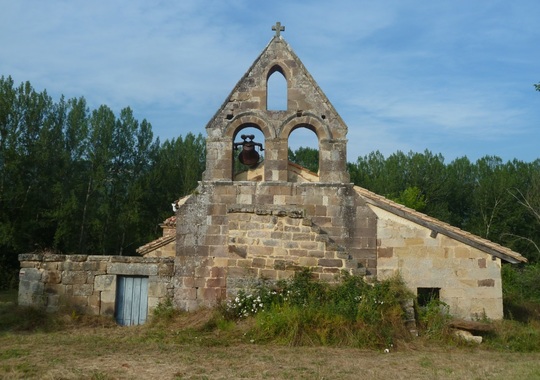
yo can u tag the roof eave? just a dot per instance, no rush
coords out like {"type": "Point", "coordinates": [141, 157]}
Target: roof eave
{"type": "Point", "coordinates": [402, 212]}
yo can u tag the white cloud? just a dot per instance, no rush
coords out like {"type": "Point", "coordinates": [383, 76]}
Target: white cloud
{"type": "Point", "coordinates": [403, 74]}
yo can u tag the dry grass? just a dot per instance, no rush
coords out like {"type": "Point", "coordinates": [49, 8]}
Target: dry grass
{"type": "Point", "coordinates": [90, 348]}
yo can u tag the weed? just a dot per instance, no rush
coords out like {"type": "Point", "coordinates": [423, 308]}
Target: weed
{"type": "Point", "coordinates": [99, 376]}
{"type": "Point", "coordinates": [19, 318]}
{"type": "Point", "coordinates": [164, 311]}
{"type": "Point", "coordinates": [521, 292]}
{"type": "Point", "coordinates": [304, 311]}
{"type": "Point", "coordinates": [515, 336]}
{"type": "Point", "coordinates": [434, 319]}
{"type": "Point", "coordinates": [13, 353]}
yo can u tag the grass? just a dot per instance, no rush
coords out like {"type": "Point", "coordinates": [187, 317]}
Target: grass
{"type": "Point", "coordinates": [276, 342]}
{"type": "Point", "coordinates": [186, 348]}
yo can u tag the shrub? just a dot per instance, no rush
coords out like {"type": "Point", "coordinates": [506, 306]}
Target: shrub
{"type": "Point", "coordinates": [515, 336]}
{"type": "Point", "coordinates": [521, 292]}
{"type": "Point", "coordinates": [304, 311]}
{"type": "Point", "coordinates": [433, 320]}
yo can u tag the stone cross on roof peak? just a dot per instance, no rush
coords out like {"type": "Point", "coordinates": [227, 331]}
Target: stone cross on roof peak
{"type": "Point", "coordinates": [278, 28]}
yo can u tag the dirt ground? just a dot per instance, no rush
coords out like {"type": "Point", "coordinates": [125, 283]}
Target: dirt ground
{"type": "Point", "coordinates": [140, 353]}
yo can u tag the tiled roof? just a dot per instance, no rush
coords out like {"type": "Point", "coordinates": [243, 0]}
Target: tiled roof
{"type": "Point", "coordinates": [441, 227]}
{"type": "Point", "coordinates": [155, 244]}
{"type": "Point", "coordinates": [170, 222]}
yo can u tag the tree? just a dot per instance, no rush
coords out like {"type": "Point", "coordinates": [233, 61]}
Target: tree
{"type": "Point", "coordinates": [72, 187]}
{"type": "Point", "coordinates": [460, 184]}
{"type": "Point", "coordinates": [412, 197]}
{"type": "Point", "coordinates": [528, 197]}
{"type": "Point", "coordinates": [305, 157]}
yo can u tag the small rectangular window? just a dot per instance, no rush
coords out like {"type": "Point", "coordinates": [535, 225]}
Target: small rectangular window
{"type": "Point", "coordinates": [425, 295]}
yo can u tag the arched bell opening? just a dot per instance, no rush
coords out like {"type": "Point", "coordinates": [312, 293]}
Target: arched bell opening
{"type": "Point", "coordinates": [248, 153]}
{"type": "Point", "coordinates": [304, 148]}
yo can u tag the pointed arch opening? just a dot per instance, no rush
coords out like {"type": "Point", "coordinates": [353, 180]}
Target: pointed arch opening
{"type": "Point", "coordinates": [276, 90]}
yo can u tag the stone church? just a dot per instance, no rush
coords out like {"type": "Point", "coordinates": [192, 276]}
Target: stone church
{"type": "Point", "coordinates": [276, 217]}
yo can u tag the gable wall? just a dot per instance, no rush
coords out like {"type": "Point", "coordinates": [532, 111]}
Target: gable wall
{"type": "Point", "coordinates": [307, 107]}
{"type": "Point", "coordinates": [469, 279]}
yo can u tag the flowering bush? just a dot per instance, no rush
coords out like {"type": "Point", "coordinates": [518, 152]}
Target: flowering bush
{"type": "Point", "coordinates": [250, 302]}
{"type": "Point", "coordinates": [306, 311]}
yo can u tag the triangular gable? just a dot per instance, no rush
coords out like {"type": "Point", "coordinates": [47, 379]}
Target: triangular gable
{"type": "Point", "coordinates": [265, 62]}
{"type": "Point", "coordinates": [307, 107]}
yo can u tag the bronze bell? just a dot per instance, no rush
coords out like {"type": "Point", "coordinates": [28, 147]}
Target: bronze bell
{"type": "Point", "coordinates": [249, 156]}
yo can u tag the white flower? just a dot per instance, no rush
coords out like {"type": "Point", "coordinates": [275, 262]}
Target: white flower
{"type": "Point", "coordinates": [386, 350]}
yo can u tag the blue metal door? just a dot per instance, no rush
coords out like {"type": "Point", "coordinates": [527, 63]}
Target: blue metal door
{"type": "Point", "coordinates": [131, 300]}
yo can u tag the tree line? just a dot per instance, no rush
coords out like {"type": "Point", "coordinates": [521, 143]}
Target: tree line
{"type": "Point", "coordinates": [496, 200]}
{"type": "Point", "coordinates": [86, 181]}
{"type": "Point", "coordinates": [77, 180]}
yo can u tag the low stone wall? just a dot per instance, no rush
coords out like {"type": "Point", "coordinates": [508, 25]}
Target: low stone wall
{"type": "Point", "coordinates": [87, 283]}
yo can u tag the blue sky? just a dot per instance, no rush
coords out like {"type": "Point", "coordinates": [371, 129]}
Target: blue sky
{"type": "Point", "coordinates": [455, 77]}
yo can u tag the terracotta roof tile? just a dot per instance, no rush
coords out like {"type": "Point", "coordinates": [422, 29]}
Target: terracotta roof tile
{"type": "Point", "coordinates": [155, 244]}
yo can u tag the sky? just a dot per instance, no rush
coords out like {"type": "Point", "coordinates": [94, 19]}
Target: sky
{"type": "Point", "coordinates": [453, 77]}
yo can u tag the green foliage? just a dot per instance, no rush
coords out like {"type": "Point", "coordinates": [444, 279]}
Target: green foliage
{"type": "Point", "coordinates": [490, 198]}
{"type": "Point", "coordinates": [433, 320]}
{"type": "Point", "coordinates": [412, 197]}
{"type": "Point", "coordinates": [164, 311]}
{"type": "Point", "coordinates": [304, 311]}
{"type": "Point", "coordinates": [515, 336]}
{"type": "Point", "coordinates": [521, 292]}
{"type": "Point", "coordinates": [77, 180]}
{"type": "Point", "coordinates": [306, 157]}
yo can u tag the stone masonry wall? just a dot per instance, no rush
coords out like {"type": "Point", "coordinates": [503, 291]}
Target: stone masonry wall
{"type": "Point", "coordinates": [273, 244]}
{"type": "Point", "coordinates": [469, 279]}
{"type": "Point", "coordinates": [233, 232]}
{"type": "Point", "coordinates": [87, 283]}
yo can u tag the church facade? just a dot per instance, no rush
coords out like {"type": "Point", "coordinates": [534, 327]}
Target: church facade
{"type": "Point", "coordinates": [277, 217]}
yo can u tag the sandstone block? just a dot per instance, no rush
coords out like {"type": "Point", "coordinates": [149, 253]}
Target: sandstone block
{"type": "Point", "coordinates": [307, 261]}
{"type": "Point", "coordinates": [108, 295]}
{"type": "Point", "coordinates": [30, 264]}
{"type": "Point", "coordinates": [268, 274]}
{"type": "Point", "coordinates": [133, 269]}
{"type": "Point", "coordinates": [105, 282]}
{"type": "Point", "coordinates": [259, 262]}
{"type": "Point", "coordinates": [157, 289]}
{"type": "Point", "coordinates": [74, 258]}
{"type": "Point", "coordinates": [31, 274]}
{"type": "Point", "coordinates": [488, 282]}
{"type": "Point", "coordinates": [216, 282]}
{"type": "Point", "coordinates": [71, 278]}
{"type": "Point", "coordinates": [55, 257]}
{"type": "Point", "coordinates": [84, 290]}
{"type": "Point", "coordinates": [31, 257]}
{"type": "Point", "coordinates": [385, 252]}
{"type": "Point", "coordinates": [52, 277]}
